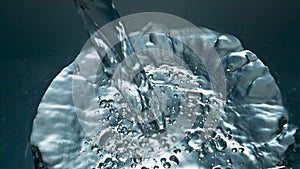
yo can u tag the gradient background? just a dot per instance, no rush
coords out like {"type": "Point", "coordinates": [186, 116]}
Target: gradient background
{"type": "Point", "coordinates": [40, 37]}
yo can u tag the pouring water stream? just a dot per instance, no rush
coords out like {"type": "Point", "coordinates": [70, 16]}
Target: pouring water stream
{"type": "Point", "coordinates": [94, 15]}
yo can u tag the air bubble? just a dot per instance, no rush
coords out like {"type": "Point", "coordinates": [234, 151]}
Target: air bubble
{"type": "Point", "coordinates": [220, 144]}
{"type": "Point", "coordinates": [167, 165]}
{"type": "Point", "coordinates": [229, 161]}
{"type": "Point", "coordinates": [137, 160]}
{"type": "Point", "coordinates": [195, 143]}
{"type": "Point", "coordinates": [174, 158]}
{"type": "Point", "coordinates": [177, 151]}
{"type": "Point", "coordinates": [122, 158]}
{"type": "Point", "coordinates": [163, 160]}
{"type": "Point", "coordinates": [104, 103]}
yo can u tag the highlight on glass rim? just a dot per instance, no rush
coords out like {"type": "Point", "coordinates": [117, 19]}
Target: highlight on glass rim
{"type": "Point", "coordinates": [151, 90]}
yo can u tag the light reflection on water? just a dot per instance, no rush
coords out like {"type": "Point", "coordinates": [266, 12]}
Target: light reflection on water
{"type": "Point", "coordinates": [253, 131]}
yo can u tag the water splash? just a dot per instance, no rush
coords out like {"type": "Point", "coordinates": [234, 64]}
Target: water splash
{"type": "Point", "coordinates": [252, 133]}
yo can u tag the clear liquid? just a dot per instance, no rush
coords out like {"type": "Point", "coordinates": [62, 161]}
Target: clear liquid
{"type": "Point", "coordinates": [144, 123]}
{"type": "Point", "coordinates": [239, 141]}
{"type": "Point", "coordinates": [94, 15]}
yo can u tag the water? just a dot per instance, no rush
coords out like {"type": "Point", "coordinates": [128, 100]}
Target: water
{"type": "Point", "coordinates": [95, 14]}
{"type": "Point", "coordinates": [105, 126]}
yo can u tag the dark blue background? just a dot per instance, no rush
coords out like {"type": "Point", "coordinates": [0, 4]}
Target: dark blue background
{"type": "Point", "coordinates": [40, 37]}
